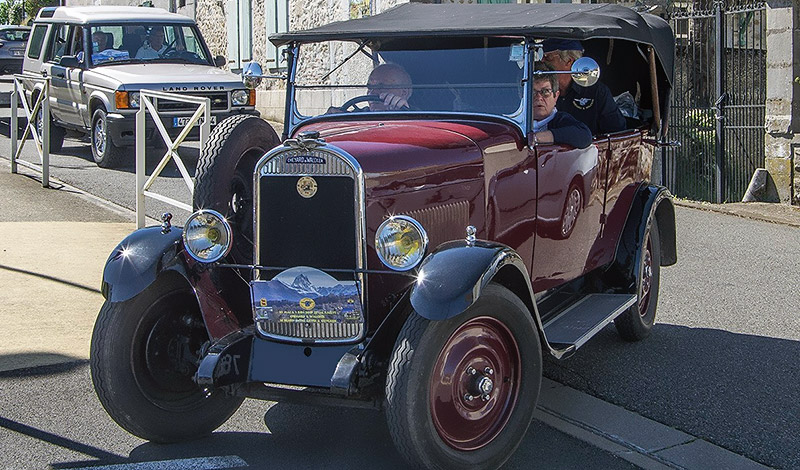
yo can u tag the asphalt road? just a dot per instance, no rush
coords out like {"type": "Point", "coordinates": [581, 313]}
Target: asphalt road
{"type": "Point", "coordinates": [51, 418]}
{"type": "Point", "coordinates": [721, 363]}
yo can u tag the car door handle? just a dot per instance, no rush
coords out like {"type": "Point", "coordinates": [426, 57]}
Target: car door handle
{"type": "Point", "coordinates": [60, 75]}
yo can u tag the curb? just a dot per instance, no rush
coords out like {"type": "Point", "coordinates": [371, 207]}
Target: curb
{"type": "Point", "coordinates": [641, 441]}
{"type": "Point", "coordinates": [776, 213]}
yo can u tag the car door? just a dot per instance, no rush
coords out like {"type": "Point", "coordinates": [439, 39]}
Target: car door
{"type": "Point", "coordinates": [569, 206]}
{"type": "Point", "coordinates": [73, 100]}
{"type": "Point", "coordinates": [56, 47]}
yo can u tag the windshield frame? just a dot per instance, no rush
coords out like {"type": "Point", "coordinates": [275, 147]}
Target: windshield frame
{"type": "Point", "coordinates": [88, 28]}
{"type": "Point", "coordinates": [294, 118]}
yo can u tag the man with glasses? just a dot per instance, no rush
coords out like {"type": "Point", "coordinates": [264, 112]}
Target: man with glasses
{"type": "Point", "coordinates": [549, 124]}
{"type": "Point", "coordinates": [594, 105]}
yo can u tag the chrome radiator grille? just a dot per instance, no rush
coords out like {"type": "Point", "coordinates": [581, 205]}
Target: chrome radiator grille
{"type": "Point", "coordinates": [324, 231]}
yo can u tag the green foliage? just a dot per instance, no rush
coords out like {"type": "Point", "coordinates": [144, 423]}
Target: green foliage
{"type": "Point", "coordinates": [21, 12]}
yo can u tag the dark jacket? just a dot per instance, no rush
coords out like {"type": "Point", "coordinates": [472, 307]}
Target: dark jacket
{"type": "Point", "coordinates": [568, 130]}
{"type": "Point", "coordinates": [593, 106]}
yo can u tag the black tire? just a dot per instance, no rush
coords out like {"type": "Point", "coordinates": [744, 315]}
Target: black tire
{"type": "Point", "coordinates": [637, 322]}
{"type": "Point", "coordinates": [105, 153]}
{"type": "Point", "coordinates": [143, 356]}
{"type": "Point", "coordinates": [426, 363]}
{"type": "Point", "coordinates": [56, 132]}
{"type": "Point", "coordinates": [224, 176]}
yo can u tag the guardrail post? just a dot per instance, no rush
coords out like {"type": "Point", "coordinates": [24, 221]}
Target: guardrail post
{"type": "Point", "coordinates": [140, 163]}
{"type": "Point", "coordinates": [45, 135]}
{"type": "Point", "coordinates": [13, 126]}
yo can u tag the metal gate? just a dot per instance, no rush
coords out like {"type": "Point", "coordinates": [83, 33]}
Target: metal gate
{"type": "Point", "coordinates": [718, 98]}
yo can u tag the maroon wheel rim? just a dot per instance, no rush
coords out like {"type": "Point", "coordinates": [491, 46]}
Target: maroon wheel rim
{"type": "Point", "coordinates": [475, 384]}
{"type": "Point", "coordinates": [646, 281]}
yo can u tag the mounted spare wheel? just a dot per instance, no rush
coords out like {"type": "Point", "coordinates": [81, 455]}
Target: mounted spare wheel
{"type": "Point", "coordinates": [224, 176]}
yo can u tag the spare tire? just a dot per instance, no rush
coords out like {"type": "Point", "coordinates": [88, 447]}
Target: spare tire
{"type": "Point", "coordinates": [224, 176]}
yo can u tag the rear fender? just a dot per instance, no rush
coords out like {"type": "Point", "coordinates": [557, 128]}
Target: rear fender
{"type": "Point", "coordinates": [650, 202]}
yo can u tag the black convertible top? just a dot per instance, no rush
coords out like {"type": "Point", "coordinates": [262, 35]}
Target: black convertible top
{"type": "Point", "coordinates": [548, 20]}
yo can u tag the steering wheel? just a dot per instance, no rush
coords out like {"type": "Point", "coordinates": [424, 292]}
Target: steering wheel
{"type": "Point", "coordinates": [352, 102]}
{"type": "Point", "coordinates": [170, 48]}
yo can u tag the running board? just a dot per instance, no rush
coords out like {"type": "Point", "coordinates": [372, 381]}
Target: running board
{"type": "Point", "coordinates": [579, 322]}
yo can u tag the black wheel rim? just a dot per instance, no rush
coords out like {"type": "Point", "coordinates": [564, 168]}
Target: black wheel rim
{"type": "Point", "coordinates": [166, 348]}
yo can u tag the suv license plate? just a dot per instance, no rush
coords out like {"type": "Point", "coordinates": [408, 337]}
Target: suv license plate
{"type": "Point", "coordinates": [182, 121]}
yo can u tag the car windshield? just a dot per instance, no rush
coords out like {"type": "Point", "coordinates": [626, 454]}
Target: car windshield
{"type": "Point", "coordinates": [14, 34]}
{"type": "Point", "coordinates": [162, 42]}
{"type": "Point", "coordinates": [480, 75]}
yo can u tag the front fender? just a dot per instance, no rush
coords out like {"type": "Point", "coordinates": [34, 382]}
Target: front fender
{"type": "Point", "coordinates": [451, 278]}
{"type": "Point", "coordinates": [138, 260]}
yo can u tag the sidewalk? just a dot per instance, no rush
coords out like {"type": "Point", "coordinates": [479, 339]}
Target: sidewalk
{"type": "Point", "coordinates": [52, 254]}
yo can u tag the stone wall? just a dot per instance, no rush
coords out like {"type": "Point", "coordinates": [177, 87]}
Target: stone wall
{"type": "Point", "coordinates": [782, 140]}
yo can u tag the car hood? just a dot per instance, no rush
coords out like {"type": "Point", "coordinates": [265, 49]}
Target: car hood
{"type": "Point", "coordinates": [408, 155]}
{"type": "Point", "coordinates": [170, 77]}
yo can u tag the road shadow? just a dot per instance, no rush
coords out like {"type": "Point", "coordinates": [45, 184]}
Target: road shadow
{"type": "Point", "coordinates": [56, 364]}
{"type": "Point", "coordinates": [737, 391]}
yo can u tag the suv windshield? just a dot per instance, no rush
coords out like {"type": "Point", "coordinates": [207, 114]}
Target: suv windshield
{"type": "Point", "coordinates": [178, 43]}
{"type": "Point", "coordinates": [480, 76]}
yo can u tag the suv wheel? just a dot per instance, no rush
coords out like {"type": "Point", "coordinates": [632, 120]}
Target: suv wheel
{"type": "Point", "coordinates": [461, 392]}
{"type": "Point", "coordinates": [105, 153]}
{"type": "Point", "coordinates": [224, 176]}
{"type": "Point", "coordinates": [56, 132]}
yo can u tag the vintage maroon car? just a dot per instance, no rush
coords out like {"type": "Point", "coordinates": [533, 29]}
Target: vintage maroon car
{"type": "Point", "coordinates": [419, 261]}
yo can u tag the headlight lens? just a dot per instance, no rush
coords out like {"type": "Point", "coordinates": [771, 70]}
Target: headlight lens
{"type": "Point", "coordinates": [401, 242]}
{"type": "Point", "coordinates": [133, 99]}
{"type": "Point", "coordinates": [207, 236]}
{"type": "Point", "coordinates": [240, 97]}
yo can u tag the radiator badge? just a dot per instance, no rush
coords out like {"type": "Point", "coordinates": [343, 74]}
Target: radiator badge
{"type": "Point", "coordinates": [306, 159]}
{"type": "Point", "coordinates": [307, 187]}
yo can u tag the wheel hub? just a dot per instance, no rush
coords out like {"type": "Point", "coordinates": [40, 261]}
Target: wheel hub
{"type": "Point", "coordinates": [475, 383]}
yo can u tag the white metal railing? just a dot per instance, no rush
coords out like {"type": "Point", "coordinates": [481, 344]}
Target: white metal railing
{"type": "Point", "coordinates": [42, 142]}
{"type": "Point", "coordinates": [148, 102]}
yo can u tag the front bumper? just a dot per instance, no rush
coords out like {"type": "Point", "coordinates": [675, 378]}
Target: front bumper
{"type": "Point", "coordinates": [122, 127]}
{"type": "Point", "coordinates": [242, 357]}
{"type": "Point", "coordinates": [10, 65]}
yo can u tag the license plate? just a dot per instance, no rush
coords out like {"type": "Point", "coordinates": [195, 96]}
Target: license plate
{"type": "Point", "coordinates": [307, 296]}
{"type": "Point", "coordinates": [182, 121]}
{"type": "Point", "coordinates": [16, 52]}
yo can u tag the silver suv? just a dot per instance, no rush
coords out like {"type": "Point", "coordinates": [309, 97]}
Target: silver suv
{"type": "Point", "coordinates": [99, 58]}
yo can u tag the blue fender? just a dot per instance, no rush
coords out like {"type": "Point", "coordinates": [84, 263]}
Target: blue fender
{"type": "Point", "coordinates": [138, 260]}
{"type": "Point", "coordinates": [451, 278]}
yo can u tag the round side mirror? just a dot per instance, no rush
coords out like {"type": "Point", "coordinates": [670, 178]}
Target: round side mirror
{"type": "Point", "coordinates": [251, 75]}
{"type": "Point", "coordinates": [585, 71]}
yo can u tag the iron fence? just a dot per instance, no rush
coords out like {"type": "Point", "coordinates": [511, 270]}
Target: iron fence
{"type": "Point", "coordinates": [719, 92]}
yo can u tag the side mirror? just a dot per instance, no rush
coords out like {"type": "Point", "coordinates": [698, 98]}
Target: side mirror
{"type": "Point", "coordinates": [585, 71]}
{"type": "Point", "coordinates": [69, 61]}
{"type": "Point", "coordinates": [252, 75]}
{"type": "Point", "coordinates": [220, 61]}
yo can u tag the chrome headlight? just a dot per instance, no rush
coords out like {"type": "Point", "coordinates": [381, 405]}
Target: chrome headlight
{"type": "Point", "coordinates": [207, 236]}
{"type": "Point", "coordinates": [240, 97]}
{"type": "Point", "coordinates": [401, 242]}
{"type": "Point", "coordinates": [133, 99]}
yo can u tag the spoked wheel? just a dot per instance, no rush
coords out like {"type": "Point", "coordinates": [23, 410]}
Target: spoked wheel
{"type": "Point", "coordinates": [479, 373]}
{"type": "Point", "coordinates": [144, 353]}
{"type": "Point", "coordinates": [224, 176]}
{"type": "Point", "coordinates": [637, 322]}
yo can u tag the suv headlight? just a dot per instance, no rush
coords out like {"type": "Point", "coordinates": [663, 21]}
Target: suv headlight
{"type": "Point", "coordinates": [240, 97]}
{"type": "Point", "coordinates": [207, 236]}
{"type": "Point", "coordinates": [133, 99]}
{"type": "Point", "coordinates": [401, 242]}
